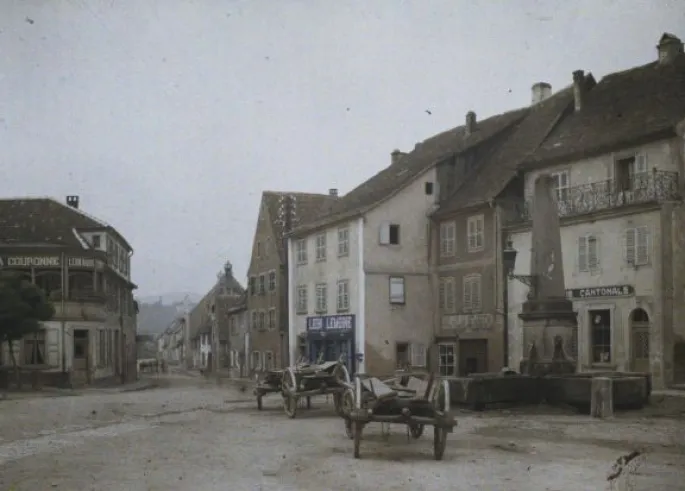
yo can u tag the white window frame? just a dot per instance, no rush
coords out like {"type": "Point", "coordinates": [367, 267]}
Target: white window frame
{"type": "Point", "coordinates": [272, 284]}
{"type": "Point", "coordinates": [268, 355]}
{"type": "Point", "coordinates": [448, 239]}
{"type": "Point", "coordinates": [261, 284]}
{"type": "Point", "coordinates": [417, 355]}
{"type": "Point", "coordinates": [262, 319]}
{"type": "Point", "coordinates": [445, 373]}
{"type": "Point", "coordinates": [637, 249]}
{"type": "Point", "coordinates": [302, 299]}
{"type": "Point", "coordinates": [320, 242]}
{"type": "Point", "coordinates": [256, 360]}
{"type": "Point", "coordinates": [395, 283]}
{"type": "Point", "coordinates": [561, 184]}
{"type": "Point", "coordinates": [588, 259]}
{"type": "Point", "coordinates": [384, 234]}
{"type": "Point", "coordinates": [475, 230]}
{"type": "Point", "coordinates": [447, 292]}
{"type": "Point", "coordinates": [472, 284]}
{"type": "Point", "coordinates": [254, 319]}
{"type": "Point", "coordinates": [321, 298]}
{"type": "Point", "coordinates": [301, 252]}
{"type": "Point", "coordinates": [343, 241]}
{"type": "Point", "coordinates": [343, 295]}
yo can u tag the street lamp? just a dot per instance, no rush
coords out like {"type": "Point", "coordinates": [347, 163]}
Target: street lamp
{"type": "Point", "coordinates": [509, 260]}
{"type": "Point", "coordinates": [509, 263]}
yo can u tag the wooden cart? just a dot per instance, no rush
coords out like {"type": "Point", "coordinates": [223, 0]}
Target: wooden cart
{"type": "Point", "coordinates": [408, 399]}
{"type": "Point", "coordinates": [305, 381]}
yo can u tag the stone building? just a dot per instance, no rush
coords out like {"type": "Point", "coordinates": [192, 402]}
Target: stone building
{"type": "Point", "coordinates": [479, 184]}
{"type": "Point", "coordinates": [617, 162]}
{"type": "Point", "coordinates": [267, 289]}
{"type": "Point", "coordinates": [360, 281]}
{"type": "Point", "coordinates": [84, 267]}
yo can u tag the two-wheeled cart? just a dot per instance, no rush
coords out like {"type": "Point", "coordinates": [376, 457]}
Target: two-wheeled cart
{"type": "Point", "coordinates": [410, 400]}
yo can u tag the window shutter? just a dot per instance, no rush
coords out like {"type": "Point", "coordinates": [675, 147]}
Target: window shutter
{"type": "Point", "coordinates": [449, 295]}
{"type": "Point", "coordinates": [384, 234]}
{"type": "Point", "coordinates": [640, 163]}
{"type": "Point", "coordinates": [582, 254]}
{"type": "Point", "coordinates": [441, 293]}
{"type": "Point", "coordinates": [467, 294]}
{"type": "Point", "coordinates": [642, 245]}
{"type": "Point", "coordinates": [592, 252]}
{"type": "Point", "coordinates": [475, 293]}
{"type": "Point", "coordinates": [629, 250]}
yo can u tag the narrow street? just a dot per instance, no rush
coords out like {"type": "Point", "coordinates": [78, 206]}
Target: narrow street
{"type": "Point", "coordinates": [195, 435]}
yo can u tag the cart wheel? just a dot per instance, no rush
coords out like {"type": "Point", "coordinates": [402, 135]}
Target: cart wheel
{"type": "Point", "coordinates": [346, 403]}
{"type": "Point", "coordinates": [358, 427]}
{"type": "Point", "coordinates": [259, 402]}
{"type": "Point", "coordinates": [290, 405]}
{"type": "Point", "coordinates": [439, 442]}
{"type": "Point", "coordinates": [337, 403]}
{"type": "Point", "coordinates": [309, 402]}
{"type": "Point", "coordinates": [348, 428]}
{"type": "Point", "coordinates": [416, 430]}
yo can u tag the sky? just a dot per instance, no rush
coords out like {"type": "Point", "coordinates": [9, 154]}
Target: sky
{"type": "Point", "coordinates": [170, 117]}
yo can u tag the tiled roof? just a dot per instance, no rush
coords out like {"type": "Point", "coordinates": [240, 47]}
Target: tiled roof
{"type": "Point", "coordinates": [500, 160]}
{"type": "Point", "coordinates": [623, 108]}
{"type": "Point", "coordinates": [410, 166]}
{"type": "Point", "coordinates": [45, 221]}
{"type": "Point", "coordinates": [304, 207]}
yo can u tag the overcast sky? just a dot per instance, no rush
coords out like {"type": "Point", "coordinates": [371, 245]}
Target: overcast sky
{"type": "Point", "coordinates": [170, 117]}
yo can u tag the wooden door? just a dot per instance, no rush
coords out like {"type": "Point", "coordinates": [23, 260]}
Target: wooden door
{"type": "Point", "coordinates": [473, 356]}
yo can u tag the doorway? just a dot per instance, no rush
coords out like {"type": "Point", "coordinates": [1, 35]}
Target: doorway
{"type": "Point", "coordinates": [81, 363]}
{"type": "Point", "coordinates": [639, 333]}
{"type": "Point", "coordinates": [600, 335]}
{"type": "Point", "coordinates": [331, 350]}
{"type": "Point", "coordinates": [473, 356]}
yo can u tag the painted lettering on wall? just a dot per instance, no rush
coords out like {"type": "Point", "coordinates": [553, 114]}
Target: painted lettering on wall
{"type": "Point", "coordinates": [468, 322]}
{"type": "Point", "coordinates": [45, 262]}
{"type": "Point", "coordinates": [601, 291]}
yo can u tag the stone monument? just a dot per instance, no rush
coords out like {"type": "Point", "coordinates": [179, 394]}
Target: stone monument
{"type": "Point", "coordinates": [549, 321]}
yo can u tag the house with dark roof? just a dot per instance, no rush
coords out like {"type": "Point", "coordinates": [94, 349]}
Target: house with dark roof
{"type": "Point", "coordinates": [470, 328]}
{"type": "Point", "coordinates": [360, 276]}
{"type": "Point", "coordinates": [267, 294]}
{"type": "Point", "coordinates": [84, 267]}
{"type": "Point", "coordinates": [616, 157]}
{"type": "Point", "coordinates": [208, 323]}
{"type": "Point", "coordinates": [238, 339]}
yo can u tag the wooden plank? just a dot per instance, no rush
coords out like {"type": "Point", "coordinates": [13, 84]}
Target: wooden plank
{"type": "Point", "coordinates": [378, 388]}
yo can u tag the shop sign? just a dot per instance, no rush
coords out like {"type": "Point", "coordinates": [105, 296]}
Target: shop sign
{"type": "Point", "coordinates": [45, 262]}
{"type": "Point", "coordinates": [601, 291]}
{"type": "Point", "coordinates": [330, 323]}
{"type": "Point", "coordinates": [468, 322]}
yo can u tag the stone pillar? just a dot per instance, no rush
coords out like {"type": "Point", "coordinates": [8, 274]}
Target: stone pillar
{"type": "Point", "coordinates": [602, 398]}
{"type": "Point", "coordinates": [547, 315]}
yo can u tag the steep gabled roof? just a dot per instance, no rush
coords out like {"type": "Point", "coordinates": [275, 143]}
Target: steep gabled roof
{"type": "Point", "coordinates": [304, 207]}
{"type": "Point", "coordinates": [500, 162]}
{"type": "Point", "coordinates": [38, 221]}
{"type": "Point", "coordinates": [625, 108]}
{"type": "Point", "coordinates": [409, 167]}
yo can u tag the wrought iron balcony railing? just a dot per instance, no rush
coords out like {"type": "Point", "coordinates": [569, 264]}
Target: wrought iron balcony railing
{"type": "Point", "coordinates": [649, 187]}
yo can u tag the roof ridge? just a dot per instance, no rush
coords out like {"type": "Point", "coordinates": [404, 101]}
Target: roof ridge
{"type": "Point", "coordinates": [297, 193]}
{"type": "Point", "coordinates": [55, 200]}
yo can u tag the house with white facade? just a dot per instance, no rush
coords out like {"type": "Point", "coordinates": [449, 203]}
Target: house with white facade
{"type": "Point", "coordinates": [617, 160]}
{"type": "Point", "coordinates": [360, 275]}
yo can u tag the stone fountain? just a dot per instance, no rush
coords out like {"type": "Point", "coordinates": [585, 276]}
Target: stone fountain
{"type": "Point", "coordinates": [548, 371]}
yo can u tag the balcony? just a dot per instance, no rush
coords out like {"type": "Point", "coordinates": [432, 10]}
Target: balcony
{"type": "Point", "coordinates": [650, 187]}
{"type": "Point", "coordinates": [80, 305]}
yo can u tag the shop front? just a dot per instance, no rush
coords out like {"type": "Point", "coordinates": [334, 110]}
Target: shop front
{"type": "Point", "coordinates": [330, 337]}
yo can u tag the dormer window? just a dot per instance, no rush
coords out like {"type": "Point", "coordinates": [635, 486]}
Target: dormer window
{"type": "Point", "coordinates": [96, 240]}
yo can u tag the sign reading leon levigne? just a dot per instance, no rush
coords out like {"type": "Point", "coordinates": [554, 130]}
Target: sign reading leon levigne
{"type": "Point", "coordinates": [45, 262]}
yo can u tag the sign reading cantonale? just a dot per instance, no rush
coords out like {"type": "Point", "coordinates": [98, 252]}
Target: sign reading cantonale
{"type": "Point", "coordinates": [45, 262]}
{"type": "Point", "coordinates": [601, 291]}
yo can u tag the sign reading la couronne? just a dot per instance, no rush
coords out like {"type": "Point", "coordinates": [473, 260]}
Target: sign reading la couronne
{"type": "Point", "coordinates": [45, 262]}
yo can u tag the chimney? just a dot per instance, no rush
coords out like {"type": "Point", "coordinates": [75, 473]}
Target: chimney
{"type": "Point", "coordinates": [396, 155]}
{"type": "Point", "coordinates": [578, 88]}
{"type": "Point", "coordinates": [470, 122]}
{"type": "Point", "coordinates": [669, 48]}
{"type": "Point", "coordinates": [72, 201]}
{"type": "Point", "coordinates": [541, 91]}
{"type": "Point", "coordinates": [333, 192]}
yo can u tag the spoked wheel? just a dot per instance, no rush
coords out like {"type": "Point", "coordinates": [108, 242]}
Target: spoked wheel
{"type": "Point", "coordinates": [259, 402]}
{"type": "Point", "coordinates": [358, 427]}
{"type": "Point", "coordinates": [416, 430]}
{"type": "Point", "coordinates": [349, 430]}
{"type": "Point", "coordinates": [441, 397]}
{"type": "Point", "coordinates": [290, 398]}
{"type": "Point", "coordinates": [341, 373]}
{"type": "Point", "coordinates": [439, 442]}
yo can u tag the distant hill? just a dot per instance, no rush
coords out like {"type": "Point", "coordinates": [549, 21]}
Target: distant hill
{"type": "Point", "coordinates": [155, 316]}
{"type": "Point", "coordinates": [170, 298]}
